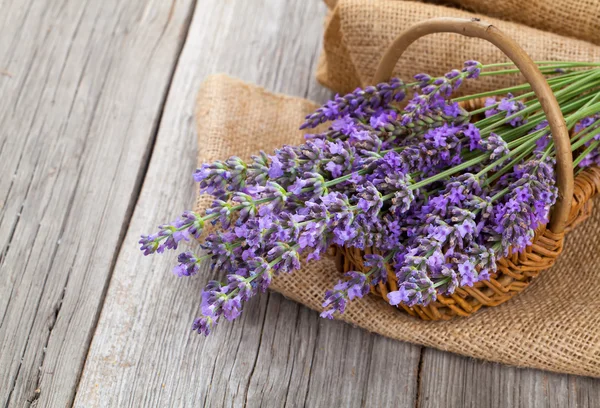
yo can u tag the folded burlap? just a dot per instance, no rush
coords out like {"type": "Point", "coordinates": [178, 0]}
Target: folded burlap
{"type": "Point", "coordinates": [572, 18]}
{"type": "Point", "coordinates": [357, 32]}
{"type": "Point", "coordinates": [553, 325]}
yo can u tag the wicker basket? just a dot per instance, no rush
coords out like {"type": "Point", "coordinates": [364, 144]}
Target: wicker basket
{"type": "Point", "coordinates": [515, 272]}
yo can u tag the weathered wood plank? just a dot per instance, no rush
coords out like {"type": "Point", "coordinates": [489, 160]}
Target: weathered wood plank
{"type": "Point", "coordinates": [278, 353]}
{"type": "Point", "coordinates": [353, 368]}
{"type": "Point", "coordinates": [449, 380]}
{"type": "Point", "coordinates": [328, 364]}
{"type": "Point", "coordinates": [83, 92]}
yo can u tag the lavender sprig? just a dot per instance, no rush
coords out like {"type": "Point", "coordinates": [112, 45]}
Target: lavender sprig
{"type": "Point", "coordinates": [443, 197]}
{"type": "Point", "coordinates": [358, 102]}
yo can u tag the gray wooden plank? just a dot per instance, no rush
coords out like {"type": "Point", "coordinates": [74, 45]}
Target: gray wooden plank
{"type": "Point", "coordinates": [449, 380]}
{"type": "Point", "coordinates": [84, 88]}
{"type": "Point", "coordinates": [354, 368]}
{"type": "Point", "coordinates": [278, 353]}
{"type": "Point", "coordinates": [393, 374]}
{"type": "Point", "coordinates": [327, 364]}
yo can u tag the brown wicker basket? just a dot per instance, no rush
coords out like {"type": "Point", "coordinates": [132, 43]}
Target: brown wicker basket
{"type": "Point", "coordinates": [573, 205]}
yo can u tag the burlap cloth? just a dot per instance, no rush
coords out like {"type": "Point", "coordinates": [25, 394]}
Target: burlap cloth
{"type": "Point", "coordinates": [357, 32]}
{"type": "Point", "coordinates": [573, 18]}
{"type": "Point", "coordinates": [554, 325]}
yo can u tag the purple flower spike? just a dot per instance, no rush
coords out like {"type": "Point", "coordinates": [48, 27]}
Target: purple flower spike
{"type": "Point", "coordinates": [188, 265]}
{"type": "Point", "coordinates": [203, 325]}
{"type": "Point", "coordinates": [377, 177]}
{"type": "Point", "coordinates": [472, 69]}
{"type": "Point", "coordinates": [170, 235]}
{"type": "Point", "coordinates": [378, 268]}
{"type": "Point", "coordinates": [355, 103]}
{"type": "Point", "coordinates": [356, 285]}
{"type": "Point", "coordinates": [511, 107]}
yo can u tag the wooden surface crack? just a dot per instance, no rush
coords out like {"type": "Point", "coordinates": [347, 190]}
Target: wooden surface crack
{"type": "Point", "coordinates": [419, 375]}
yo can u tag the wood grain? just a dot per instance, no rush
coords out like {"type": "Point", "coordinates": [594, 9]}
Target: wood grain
{"type": "Point", "coordinates": [278, 353]}
{"type": "Point", "coordinates": [83, 93]}
{"type": "Point", "coordinates": [449, 380]}
{"type": "Point", "coordinates": [354, 368]}
{"type": "Point", "coordinates": [84, 88]}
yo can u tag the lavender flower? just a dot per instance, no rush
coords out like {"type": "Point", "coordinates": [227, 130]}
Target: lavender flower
{"type": "Point", "coordinates": [170, 235]}
{"type": "Point", "coordinates": [508, 105]}
{"type": "Point", "coordinates": [590, 124]}
{"type": "Point", "coordinates": [378, 268]}
{"type": "Point", "coordinates": [370, 98]}
{"type": "Point", "coordinates": [356, 285]}
{"type": "Point", "coordinates": [188, 265]}
{"type": "Point", "coordinates": [221, 178]}
{"type": "Point", "coordinates": [380, 176]}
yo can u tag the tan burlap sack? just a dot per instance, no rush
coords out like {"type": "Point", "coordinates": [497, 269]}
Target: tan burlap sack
{"type": "Point", "coordinates": [554, 325]}
{"type": "Point", "coordinates": [573, 18]}
{"type": "Point", "coordinates": [357, 32]}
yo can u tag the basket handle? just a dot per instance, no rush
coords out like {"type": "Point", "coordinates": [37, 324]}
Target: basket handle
{"type": "Point", "coordinates": [558, 128]}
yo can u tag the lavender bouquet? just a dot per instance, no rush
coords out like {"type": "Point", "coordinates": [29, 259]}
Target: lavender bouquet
{"type": "Point", "coordinates": [441, 192]}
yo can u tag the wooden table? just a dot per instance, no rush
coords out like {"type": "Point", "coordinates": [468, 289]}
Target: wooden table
{"type": "Point", "coordinates": [97, 146]}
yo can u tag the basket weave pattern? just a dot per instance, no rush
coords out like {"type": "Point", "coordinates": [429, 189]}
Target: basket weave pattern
{"type": "Point", "coordinates": [514, 272]}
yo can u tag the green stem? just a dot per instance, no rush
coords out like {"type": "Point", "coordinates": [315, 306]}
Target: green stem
{"type": "Point", "coordinates": [508, 167]}
{"type": "Point", "coordinates": [444, 174]}
{"type": "Point", "coordinates": [250, 279]}
{"type": "Point", "coordinates": [386, 259]}
{"type": "Point", "coordinates": [588, 111]}
{"type": "Point", "coordinates": [575, 89]}
{"type": "Point", "coordinates": [534, 120]}
{"type": "Point", "coordinates": [590, 148]}
{"type": "Point", "coordinates": [569, 63]}
{"type": "Point", "coordinates": [549, 69]}
{"type": "Point", "coordinates": [587, 138]}
{"type": "Point", "coordinates": [442, 282]}
{"type": "Point", "coordinates": [553, 86]}
{"type": "Point", "coordinates": [528, 144]}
